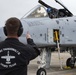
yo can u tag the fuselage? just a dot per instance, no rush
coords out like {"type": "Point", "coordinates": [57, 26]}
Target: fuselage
{"type": "Point", "coordinates": [42, 31]}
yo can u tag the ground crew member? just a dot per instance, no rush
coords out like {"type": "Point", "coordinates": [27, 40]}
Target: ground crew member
{"type": "Point", "coordinates": [14, 55]}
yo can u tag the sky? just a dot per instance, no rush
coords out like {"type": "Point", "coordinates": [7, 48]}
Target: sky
{"type": "Point", "coordinates": [18, 8]}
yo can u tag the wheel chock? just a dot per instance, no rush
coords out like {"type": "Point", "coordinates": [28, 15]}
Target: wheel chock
{"type": "Point", "coordinates": [66, 67]}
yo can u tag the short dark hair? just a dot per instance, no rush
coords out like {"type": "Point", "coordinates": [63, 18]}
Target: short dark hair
{"type": "Point", "coordinates": [12, 25]}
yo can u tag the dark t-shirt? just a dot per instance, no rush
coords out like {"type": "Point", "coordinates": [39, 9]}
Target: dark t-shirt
{"type": "Point", "coordinates": [15, 56]}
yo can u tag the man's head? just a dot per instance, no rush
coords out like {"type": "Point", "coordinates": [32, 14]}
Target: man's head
{"type": "Point", "coordinates": [12, 26]}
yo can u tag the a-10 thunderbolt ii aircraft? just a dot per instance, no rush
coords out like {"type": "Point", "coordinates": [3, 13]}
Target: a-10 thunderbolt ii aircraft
{"type": "Point", "coordinates": [51, 29]}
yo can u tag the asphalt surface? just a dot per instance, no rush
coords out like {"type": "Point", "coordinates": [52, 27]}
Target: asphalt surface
{"type": "Point", "coordinates": [54, 66]}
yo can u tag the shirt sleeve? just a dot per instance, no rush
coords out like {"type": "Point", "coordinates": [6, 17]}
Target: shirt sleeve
{"type": "Point", "coordinates": [33, 49]}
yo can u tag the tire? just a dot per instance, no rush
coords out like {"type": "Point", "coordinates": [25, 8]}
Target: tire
{"type": "Point", "coordinates": [41, 71]}
{"type": "Point", "coordinates": [70, 63]}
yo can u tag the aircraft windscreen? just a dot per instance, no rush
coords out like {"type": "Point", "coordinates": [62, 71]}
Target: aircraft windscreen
{"type": "Point", "coordinates": [38, 13]}
{"type": "Point", "coordinates": [54, 12]}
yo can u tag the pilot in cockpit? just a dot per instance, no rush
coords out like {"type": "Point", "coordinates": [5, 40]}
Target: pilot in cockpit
{"type": "Point", "coordinates": [55, 13]}
{"type": "Point", "coordinates": [50, 10]}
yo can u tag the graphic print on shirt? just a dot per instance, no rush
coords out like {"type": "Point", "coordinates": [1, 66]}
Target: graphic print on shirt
{"type": "Point", "coordinates": [7, 58]}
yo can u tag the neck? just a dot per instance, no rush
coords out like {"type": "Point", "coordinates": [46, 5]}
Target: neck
{"type": "Point", "coordinates": [12, 37]}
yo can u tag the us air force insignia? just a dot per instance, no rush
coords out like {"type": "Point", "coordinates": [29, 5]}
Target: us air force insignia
{"type": "Point", "coordinates": [6, 58]}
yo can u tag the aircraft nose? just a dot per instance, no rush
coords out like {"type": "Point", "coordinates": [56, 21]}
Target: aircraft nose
{"type": "Point", "coordinates": [2, 35]}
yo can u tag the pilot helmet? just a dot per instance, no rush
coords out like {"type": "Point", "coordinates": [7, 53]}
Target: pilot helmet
{"type": "Point", "coordinates": [48, 10]}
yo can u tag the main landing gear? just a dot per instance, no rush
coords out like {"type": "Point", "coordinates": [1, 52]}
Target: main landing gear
{"type": "Point", "coordinates": [71, 61]}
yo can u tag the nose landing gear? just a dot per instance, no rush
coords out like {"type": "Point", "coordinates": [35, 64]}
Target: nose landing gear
{"type": "Point", "coordinates": [41, 71]}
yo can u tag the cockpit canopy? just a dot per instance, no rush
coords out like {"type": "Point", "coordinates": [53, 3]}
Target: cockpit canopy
{"type": "Point", "coordinates": [37, 12]}
{"type": "Point", "coordinates": [40, 11]}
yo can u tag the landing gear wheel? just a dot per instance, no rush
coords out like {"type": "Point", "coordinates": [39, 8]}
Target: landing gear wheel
{"type": "Point", "coordinates": [41, 71]}
{"type": "Point", "coordinates": [70, 63]}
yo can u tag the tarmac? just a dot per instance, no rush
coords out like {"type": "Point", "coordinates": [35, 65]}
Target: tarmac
{"type": "Point", "coordinates": [54, 65]}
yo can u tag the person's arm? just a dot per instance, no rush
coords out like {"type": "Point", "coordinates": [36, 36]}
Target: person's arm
{"type": "Point", "coordinates": [29, 40]}
{"type": "Point", "coordinates": [33, 49]}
